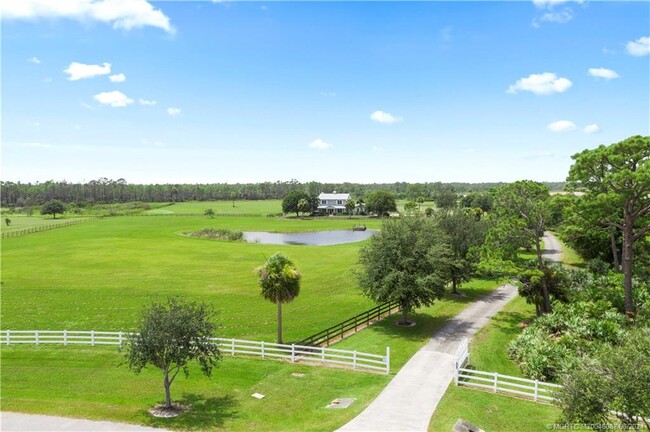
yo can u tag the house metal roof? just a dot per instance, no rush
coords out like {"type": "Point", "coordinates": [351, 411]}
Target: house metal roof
{"type": "Point", "coordinates": [334, 196]}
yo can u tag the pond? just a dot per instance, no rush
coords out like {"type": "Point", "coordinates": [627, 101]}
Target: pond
{"type": "Point", "coordinates": [316, 238]}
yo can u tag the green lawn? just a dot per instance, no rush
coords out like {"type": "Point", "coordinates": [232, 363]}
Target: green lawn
{"type": "Point", "coordinates": [259, 207]}
{"type": "Point", "coordinates": [20, 222]}
{"type": "Point", "coordinates": [99, 275]}
{"type": "Point", "coordinates": [91, 383]}
{"type": "Point", "coordinates": [570, 257]}
{"type": "Point", "coordinates": [491, 412]}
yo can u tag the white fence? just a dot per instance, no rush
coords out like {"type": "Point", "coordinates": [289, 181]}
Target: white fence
{"type": "Point", "coordinates": [295, 353]}
{"type": "Point", "coordinates": [537, 390]}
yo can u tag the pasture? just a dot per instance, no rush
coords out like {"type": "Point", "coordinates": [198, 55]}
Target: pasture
{"type": "Point", "coordinates": [100, 274]}
{"type": "Point", "coordinates": [20, 222]}
{"type": "Point", "coordinates": [260, 207]}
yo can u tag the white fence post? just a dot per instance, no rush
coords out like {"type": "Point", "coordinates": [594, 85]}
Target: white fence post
{"type": "Point", "coordinates": [119, 339]}
{"type": "Point", "coordinates": [8, 338]}
{"type": "Point", "coordinates": [65, 338]}
{"type": "Point", "coordinates": [536, 389]}
{"type": "Point", "coordinates": [232, 347]}
{"type": "Point", "coordinates": [36, 336]}
{"type": "Point", "coordinates": [92, 338]}
{"type": "Point", "coordinates": [322, 355]}
{"type": "Point", "coordinates": [262, 349]}
{"type": "Point", "coordinates": [456, 372]}
{"type": "Point", "coordinates": [354, 360]}
{"type": "Point", "coordinates": [496, 380]}
{"type": "Point", "coordinates": [387, 360]}
{"type": "Point", "coordinates": [293, 353]}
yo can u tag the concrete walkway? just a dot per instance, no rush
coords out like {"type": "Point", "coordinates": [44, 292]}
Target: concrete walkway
{"type": "Point", "coordinates": [409, 400]}
{"type": "Point", "coordinates": [10, 421]}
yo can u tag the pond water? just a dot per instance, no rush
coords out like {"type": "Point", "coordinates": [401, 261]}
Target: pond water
{"type": "Point", "coordinates": [316, 238]}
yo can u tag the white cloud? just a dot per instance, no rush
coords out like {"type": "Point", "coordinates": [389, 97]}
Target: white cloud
{"type": "Point", "coordinates": [591, 129]}
{"type": "Point", "coordinates": [639, 47]}
{"type": "Point", "coordinates": [115, 98]}
{"type": "Point", "coordinates": [541, 84]}
{"type": "Point", "coordinates": [117, 78]}
{"type": "Point", "coordinates": [124, 14]}
{"type": "Point", "coordinates": [607, 74]}
{"type": "Point", "coordinates": [173, 111]}
{"type": "Point", "coordinates": [77, 71]}
{"type": "Point", "coordinates": [146, 102]}
{"type": "Point", "coordinates": [324, 93]}
{"type": "Point", "coordinates": [561, 17]}
{"type": "Point", "coordinates": [319, 144]}
{"type": "Point", "coordinates": [561, 126]}
{"type": "Point", "coordinates": [384, 117]}
{"type": "Point", "coordinates": [34, 60]}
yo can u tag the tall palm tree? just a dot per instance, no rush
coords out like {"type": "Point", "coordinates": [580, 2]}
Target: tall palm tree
{"type": "Point", "coordinates": [280, 282]}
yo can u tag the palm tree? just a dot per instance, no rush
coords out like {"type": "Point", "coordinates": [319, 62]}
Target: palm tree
{"type": "Point", "coordinates": [280, 282]}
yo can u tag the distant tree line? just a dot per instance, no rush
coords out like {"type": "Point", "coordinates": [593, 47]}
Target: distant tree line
{"type": "Point", "coordinates": [104, 190]}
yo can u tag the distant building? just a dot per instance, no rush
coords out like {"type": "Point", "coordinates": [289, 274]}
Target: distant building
{"type": "Point", "coordinates": [330, 203]}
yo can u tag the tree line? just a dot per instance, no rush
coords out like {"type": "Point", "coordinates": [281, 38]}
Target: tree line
{"type": "Point", "coordinates": [105, 190]}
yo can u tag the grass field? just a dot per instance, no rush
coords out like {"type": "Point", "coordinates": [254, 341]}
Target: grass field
{"type": "Point", "coordinates": [90, 383]}
{"type": "Point", "coordinates": [491, 412]}
{"type": "Point", "coordinates": [99, 275]}
{"type": "Point", "coordinates": [20, 222]}
{"type": "Point", "coordinates": [261, 207]}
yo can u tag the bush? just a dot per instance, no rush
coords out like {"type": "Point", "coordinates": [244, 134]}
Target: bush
{"type": "Point", "coordinates": [219, 233]}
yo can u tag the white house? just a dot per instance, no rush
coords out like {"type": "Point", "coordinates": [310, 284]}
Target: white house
{"type": "Point", "coordinates": [330, 203]}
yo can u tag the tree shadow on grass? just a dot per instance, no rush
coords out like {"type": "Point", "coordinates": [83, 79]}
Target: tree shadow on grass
{"type": "Point", "coordinates": [205, 413]}
{"type": "Point", "coordinates": [508, 322]}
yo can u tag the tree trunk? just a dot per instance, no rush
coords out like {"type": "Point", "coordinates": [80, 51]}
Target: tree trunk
{"type": "Point", "coordinates": [404, 319]}
{"type": "Point", "coordinates": [540, 264]}
{"type": "Point", "coordinates": [628, 259]}
{"type": "Point", "coordinates": [453, 285]}
{"type": "Point", "coordinates": [168, 395]}
{"type": "Point", "coordinates": [612, 238]}
{"type": "Point", "coordinates": [279, 322]}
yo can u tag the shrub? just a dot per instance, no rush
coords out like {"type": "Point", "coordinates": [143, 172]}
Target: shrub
{"type": "Point", "coordinates": [219, 233]}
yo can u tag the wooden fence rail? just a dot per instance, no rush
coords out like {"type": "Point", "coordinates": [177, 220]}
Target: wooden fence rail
{"type": "Point", "coordinates": [295, 353]}
{"type": "Point", "coordinates": [39, 228]}
{"type": "Point", "coordinates": [355, 323]}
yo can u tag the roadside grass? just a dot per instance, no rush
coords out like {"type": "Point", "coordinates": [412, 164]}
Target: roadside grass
{"type": "Point", "coordinates": [491, 412]}
{"type": "Point", "coordinates": [570, 257]}
{"type": "Point", "coordinates": [91, 383]}
{"type": "Point", "coordinates": [405, 342]}
{"type": "Point", "coordinates": [98, 276]}
{"type": "Point", "coordinates": [489, 347]}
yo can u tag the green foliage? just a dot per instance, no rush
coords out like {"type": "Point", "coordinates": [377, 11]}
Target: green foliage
{"type": "Point", "coordinates": [616, 180]}
{"type": "Point", "coordinates": [219, 233]}
{"type": "Point", "coordinates": [533, 280]}
{"type": "Point", "coordinates": [169, 336]}
{"type": "Point", "coordinates": [381, 203]}
{"type": "Point", "coordinates": [7, 221]}
{"type": "Point", "coordinates": [481, 200]}
{"type": "Point", "coordinates": [298, 201]}
{"type": "Point", "coordinates": [616, 378]}
{"type": "Point", "coordinates": [280, 282]}
{"type": "Point", "coordinates": [554, 342]}
{"type": "Point", "coordinates": [428, 212]}
{"type": "Point", "coordinates": [466, 234]}
{"type": "Point", "coordinates": [350, 205]}
{"type": "Point", "coordinates": [407, 262]}
{"type": "Point", "coordinates": [209, 213]}
{"type": "Point", "coordinates": [53, 207]}
{"type": "Point", "coordinates": [446, 199]}
{"type": "Point", "coordinates": [411, 207]}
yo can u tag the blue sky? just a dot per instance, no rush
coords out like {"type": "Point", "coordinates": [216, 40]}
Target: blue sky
{"type": "Point", "coordinates": [334, 91]}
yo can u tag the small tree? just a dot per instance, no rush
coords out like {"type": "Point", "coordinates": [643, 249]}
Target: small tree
{"type": "Point", "coordinates": [292, 199]}
{"type": "Point", "coordinates": [407, 262]}
{"type": "Point", "coordinates": [233, 197]}
{"type": "Point", "coordinates": [169, 336]}
{"type": "Point", "coordinates": [209, 213]}
{"type": "Point", "coordinates": [304, 206]}
{"type": "Point", "coordinates": [381, 202]}
{"type": "Point", "coordinates": [350, 205]}
{"type": "Point", "coordinates": [53, 207]}
{"type": "Point", "coordinates": [410, 207]}
{"type": "Point", "coordinates": [8, 221]}
{"type": "Point", "coordinates": [280, 282]}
